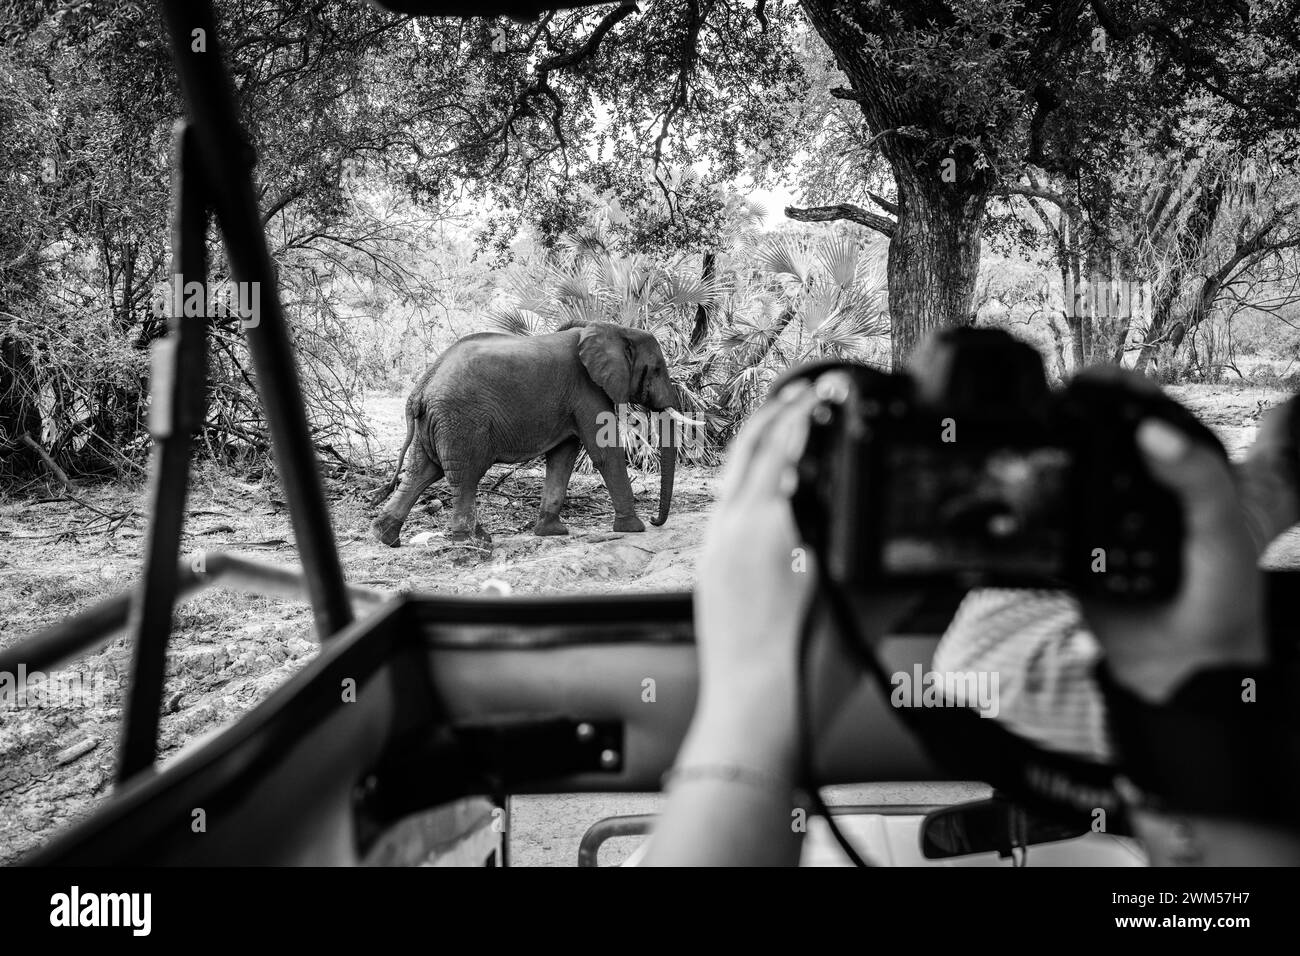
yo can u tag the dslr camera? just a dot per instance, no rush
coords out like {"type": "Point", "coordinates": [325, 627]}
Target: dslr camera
{"type": "Point", "coordinates": [971, 471]}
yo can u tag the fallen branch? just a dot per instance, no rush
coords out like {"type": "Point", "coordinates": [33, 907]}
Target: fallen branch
{"type": "Point", "coordinates": [55, 470]}
{"type": "Point", "coordinates": [497, 484]}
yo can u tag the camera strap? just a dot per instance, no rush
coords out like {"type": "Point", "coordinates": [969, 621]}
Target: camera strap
{"type": "Point", "coordinates": [1053, 784]}
{"type": "Point", "coordinates": [1291, 454]}
{"type": "Point", "coordinates": [1226, 744]}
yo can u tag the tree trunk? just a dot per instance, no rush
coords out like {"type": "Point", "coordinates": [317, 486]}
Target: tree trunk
{"type": "Point", "coordinates": [701, 330]}
{"type": "Point", "coordinates": [1058, 349]}
{"type": "Point", "coordinates": [20, 412]}
{"type": "Point", "coordinates": [934, 257]}
{"type": "Point", "coordinates": [1071, 284]}
{"type": "Point", "coordinates": [943, 184]}
{"type": "Point", "coordinates": [1191, 242]}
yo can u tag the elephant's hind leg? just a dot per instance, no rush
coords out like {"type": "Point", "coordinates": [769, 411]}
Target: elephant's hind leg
{"type": "Point", "coordinates": [559, 466]}
{"type": "Point", "coordinates": [464, 524]}
{"type": "Point", "coordinates": [424, 471]}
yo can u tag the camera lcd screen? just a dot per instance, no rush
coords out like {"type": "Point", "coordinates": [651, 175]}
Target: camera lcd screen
{"type": "Point", "coordinates": [991, 510]}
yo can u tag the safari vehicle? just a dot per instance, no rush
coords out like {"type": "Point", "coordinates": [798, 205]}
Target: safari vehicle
{"type": "Point", "coordinates": [459, 702]}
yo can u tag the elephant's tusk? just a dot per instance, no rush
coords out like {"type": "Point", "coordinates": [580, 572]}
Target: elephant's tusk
{"type": "Point", "coordinates": [677, 416]}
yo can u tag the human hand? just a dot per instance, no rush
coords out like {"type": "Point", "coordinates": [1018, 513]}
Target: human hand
{"type": "Point", "coordinates": [754, 585]}
{"type": "Point", "coordinates": [1267, 477]}
{"type": "Point", "coordinates": [1216, 618]}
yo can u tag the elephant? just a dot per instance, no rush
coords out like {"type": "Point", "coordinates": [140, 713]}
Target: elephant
{"type": "Point", "coordinates": [495, 397]}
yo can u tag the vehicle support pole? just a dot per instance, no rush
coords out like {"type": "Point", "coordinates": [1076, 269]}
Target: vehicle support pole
{"type": "Point", "coordinates": [178, 406]}
{"type": "Point", "coordinates": [227, 159]}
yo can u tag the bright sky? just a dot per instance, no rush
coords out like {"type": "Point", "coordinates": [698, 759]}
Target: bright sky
{"type": "Point", "coordinates": [774, 201]}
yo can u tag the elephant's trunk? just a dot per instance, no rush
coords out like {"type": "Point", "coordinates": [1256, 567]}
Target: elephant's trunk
{"type": "Point", "coordinates": [668, 464]}
{"type": "Point", "coordinates": [667, 471]}
{"type": "Point", "coordinates": [667, 467]}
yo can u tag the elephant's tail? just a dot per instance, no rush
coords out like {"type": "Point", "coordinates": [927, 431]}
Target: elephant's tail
{"type": "Point", "coordinates": [387, 489]}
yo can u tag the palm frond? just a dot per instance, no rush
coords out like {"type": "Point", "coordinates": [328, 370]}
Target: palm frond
{"type": "Point", "coordinates": [627, 312]}
{"type": "Point", "coordinates": [623, 277]}
{"type": "Point", "coordinates": [841, 339]}
{"type": "Point", "coordinates": [573, 286]}
{"type": "Point", "coordinates": [838, 256]}
{"type": "Point", "coordinates": [764, 312]}
{"type": "Point", "coordinates": [784, 256]}
{"type": "Point", "coordinates": [683, 178]}
{"type": "Point", "coordinates": [820, 307]}
{"type": "Point", "coordinates": [747, 377]}
{"type": "Point", "coordinates": [589, 244]}
{"type": "Point", "coordinates": [681, 290]}
{"type": "Point", "coordinates": [753, 213]}
{"type": "Point", "coordinates": [873, 278]}
{"type": "Point", "coordinates": [529, 292]}
{"type": "Point", "coordinates": [580, 312]}
{"type": "Point", "coordinates": [861, 317]}
{"type": "Point", "coordinates": [515, 321]}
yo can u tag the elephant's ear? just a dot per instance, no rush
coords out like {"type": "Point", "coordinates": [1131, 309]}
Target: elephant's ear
{"type": "Point", "coordinates": [605, 355]}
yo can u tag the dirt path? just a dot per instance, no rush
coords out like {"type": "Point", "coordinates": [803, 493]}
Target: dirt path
{"type": "Point", "coordinates": [229, 651]}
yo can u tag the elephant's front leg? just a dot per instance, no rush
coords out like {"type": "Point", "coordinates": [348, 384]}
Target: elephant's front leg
{"type": "Point", "coordinates": [559, 466]}
{"type": "Point", "coordinates": [612, 465]}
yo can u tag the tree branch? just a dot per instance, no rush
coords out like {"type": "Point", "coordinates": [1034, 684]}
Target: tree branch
{"type": "Point", "coordinates": [55, 470]}
{"type": "Point", "coordinates": [499, 134]}
{"type": "Point", "coordinates": [593, 40]}
{"type": "Point", "coordinates": [883, 203]}
{"type": "Point", "coordinates": [1034, 192]}
{"type": "Point", "coordinates": [842, 211]}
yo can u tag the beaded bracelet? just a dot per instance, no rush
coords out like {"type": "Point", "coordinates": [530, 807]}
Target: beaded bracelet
{"type": "Point", "coordinates": [728, 773]}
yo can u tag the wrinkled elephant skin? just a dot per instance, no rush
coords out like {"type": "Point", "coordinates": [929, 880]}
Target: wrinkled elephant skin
{"type": "Point", "coordinates": [499, 398]}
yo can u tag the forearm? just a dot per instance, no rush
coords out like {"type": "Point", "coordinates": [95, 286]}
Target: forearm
{"type": "Point", "coordinates": [731, 799]}
{"type": "Point", "coordinates": [1210, 772]}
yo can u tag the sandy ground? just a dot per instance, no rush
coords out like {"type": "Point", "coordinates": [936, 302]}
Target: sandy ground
{"type": "Point", "coordinates": [229, 650]}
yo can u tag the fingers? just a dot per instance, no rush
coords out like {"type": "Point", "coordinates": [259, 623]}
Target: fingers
{"type": "Point", "coordinates": [744, 449]}
{"type": "Point", "coordinates": [1275, 428]}
{"type": "Point", "coordinates": [765, 456]}
{"type": "Point", "coordinates": [773, 468]}
{"type": "Point", "coordinates": [1197, 475]}
{"type": "Point", "coordinates": [1267, 478]}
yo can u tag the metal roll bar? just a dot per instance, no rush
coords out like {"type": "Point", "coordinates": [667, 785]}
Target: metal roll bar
{"type": "Point", "coordinates": [224, 159]}
{"type": "Point", "coordinates": [211, 166]}
{"type": "Point", "coordinates": [93, 628]}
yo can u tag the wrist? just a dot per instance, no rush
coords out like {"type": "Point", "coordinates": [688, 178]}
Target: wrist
{"type": "Point", "coordinates": [1224, 744]}
{"type": "Point", "coordinates": [1157, 677]}
{"type": "Point", "coordinates": [750, 726]}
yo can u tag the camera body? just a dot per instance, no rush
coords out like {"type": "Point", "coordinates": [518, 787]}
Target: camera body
{"type": "Point", "coordinates": [972, 471]}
